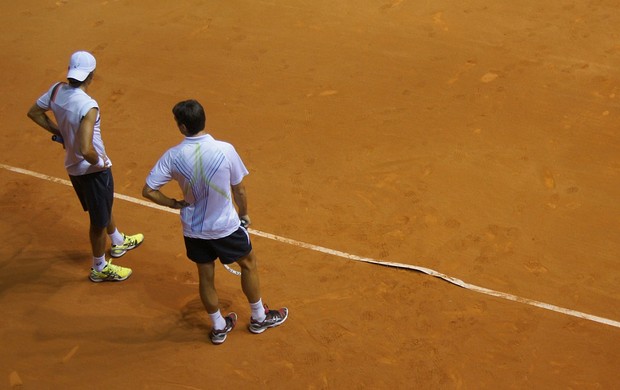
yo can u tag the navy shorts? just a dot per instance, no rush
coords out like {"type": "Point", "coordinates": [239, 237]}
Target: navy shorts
{"type": "Point", "coordinates": [96, 194]}
{"type": "Point", "coordinates": [228, 249]}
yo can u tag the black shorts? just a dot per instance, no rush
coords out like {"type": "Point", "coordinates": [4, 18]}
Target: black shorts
{"type": "Point", "coordinates": [229, 249]}
{"type": "Point", "coordinates": [96, 194]}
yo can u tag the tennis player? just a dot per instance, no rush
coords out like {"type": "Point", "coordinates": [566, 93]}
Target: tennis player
{"type": "Point", "coordinates": [86, 161]}
{"type": "Point", "coordinates": [210, 174]}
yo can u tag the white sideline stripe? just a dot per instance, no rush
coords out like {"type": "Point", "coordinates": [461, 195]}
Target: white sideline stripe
{"type": "Point", "coordinates": [348, 256]}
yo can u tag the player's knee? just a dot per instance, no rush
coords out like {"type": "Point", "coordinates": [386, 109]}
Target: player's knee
{"type": "Point", "coordinates": [248, 263]}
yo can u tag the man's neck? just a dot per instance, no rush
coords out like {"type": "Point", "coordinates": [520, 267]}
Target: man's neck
{"type": "Point", "coordinates": [84, 86]}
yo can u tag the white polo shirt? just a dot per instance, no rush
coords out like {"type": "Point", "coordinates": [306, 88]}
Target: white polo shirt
{"type": "Point", "coordinates": [69, 107]}
{"type": "Point", "coordinates": [205, 169]}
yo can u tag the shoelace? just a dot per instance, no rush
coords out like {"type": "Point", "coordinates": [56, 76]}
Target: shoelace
{"type": "Point", "coordinates": [113, 269]}
{"type": "Point", "coordinates": [130, 241]}
{"type": "Point", "coordinates": [127, 242]}
{"type": "Point", "coordinates": [275, 314]}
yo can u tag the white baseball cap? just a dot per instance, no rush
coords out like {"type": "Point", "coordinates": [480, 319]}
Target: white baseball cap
{"type": "Point", "coordinates": [80, 66]}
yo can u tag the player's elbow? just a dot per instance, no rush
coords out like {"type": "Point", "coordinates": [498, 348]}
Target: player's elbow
{"type": "Point", "coordinates": [146, 191]}
{"type": "Point", "coordinates": [86, 153]}
{"type": "Point", "coordinates": [34, 112]}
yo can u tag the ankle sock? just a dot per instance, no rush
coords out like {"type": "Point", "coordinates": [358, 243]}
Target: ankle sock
{"type": "Point", "coordinates": [258, 310]}
{"type": "Point", "coordinates": [117, 238]}
{"type": "Point", "coordinates": [99, 263]}
{"type": "Point", "coordinates": [218, 321]}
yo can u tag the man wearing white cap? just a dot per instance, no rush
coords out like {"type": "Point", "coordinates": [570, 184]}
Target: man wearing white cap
{"type": "Point", "coordinates": [86, 161]}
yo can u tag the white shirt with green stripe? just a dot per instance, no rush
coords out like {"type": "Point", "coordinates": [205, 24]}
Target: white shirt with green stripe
{"type": "Point", "coordinates": [205, 169]}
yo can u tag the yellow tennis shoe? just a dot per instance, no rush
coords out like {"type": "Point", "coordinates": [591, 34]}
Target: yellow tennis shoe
{"type": "Point", "coordinates": [110, 273]}
{"type": "Point", "coordinates": [130, 242]}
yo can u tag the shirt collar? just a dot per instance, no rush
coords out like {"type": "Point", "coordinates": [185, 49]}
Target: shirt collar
{"type": "Point", "coordinates": [198, 138]}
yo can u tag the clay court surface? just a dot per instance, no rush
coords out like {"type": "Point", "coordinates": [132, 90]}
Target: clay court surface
{"type": "Point", "coordinates": [478, 139]}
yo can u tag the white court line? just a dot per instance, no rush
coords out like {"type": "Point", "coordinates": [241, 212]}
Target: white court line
{"type": "Point", "coordinates": [348, 256]}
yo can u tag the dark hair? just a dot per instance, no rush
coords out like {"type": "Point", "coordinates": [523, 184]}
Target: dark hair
{"type": "Point", "coordinates": [76, 83]}
{"type": "Point", "coordinates": [191, 114]}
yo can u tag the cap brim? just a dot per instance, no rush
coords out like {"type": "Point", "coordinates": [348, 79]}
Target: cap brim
{"type": "Point", "coordinates": [77, 74]}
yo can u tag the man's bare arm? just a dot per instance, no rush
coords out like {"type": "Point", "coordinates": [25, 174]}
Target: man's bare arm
{"type": "Point", "coordinates": [241, 201]}
{"type": "Point", "coordinates": [39, 116]}
{"type": "Point", "coordinates": [161, 199]}
{"type": "Point", "coordinates": [85, 137]}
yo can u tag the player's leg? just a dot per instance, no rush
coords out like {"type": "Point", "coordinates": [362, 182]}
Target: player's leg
{"type": "Point", "coordinates": [262, 317]}
{"type": "Point", "coordinates": [97, 237]}
{"type": "Point", "coordinates": [111, 228]}
{"type": "Point", "coordinates": [86, 189]}
{"type": "Point", "coordinates": [99, 198]}
{"type": "Point", "coordinates": [250, 282]}
{"type": "Point", "coordinates": [206, 286]}
{"type": "Point", "coordinates": [208, 295]}
{"type": "Point", "coordinates": [121, 243]}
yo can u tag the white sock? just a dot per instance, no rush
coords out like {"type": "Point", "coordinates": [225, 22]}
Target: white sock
{"type": "Point", "coordinates": [258, 310]}
{"type": "Point", "coordinates": [99, 263]}
{"type": "Point", "coordinates": [117, 238]}
{"type": "Point", "coordinates": [218, 321]}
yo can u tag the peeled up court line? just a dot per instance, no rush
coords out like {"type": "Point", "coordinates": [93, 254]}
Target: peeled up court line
{"type": "Point", "coordinates": [348, 256]}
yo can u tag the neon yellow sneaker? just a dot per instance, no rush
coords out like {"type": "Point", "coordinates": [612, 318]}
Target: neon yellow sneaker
{"type": "Point", "coordinates": [110, 273]}
{"type": "Point", "coordinates": [130, 243]}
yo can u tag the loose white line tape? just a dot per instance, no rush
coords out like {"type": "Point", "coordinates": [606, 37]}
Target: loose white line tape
{"type": "Point", "coordinates": [348, 256]}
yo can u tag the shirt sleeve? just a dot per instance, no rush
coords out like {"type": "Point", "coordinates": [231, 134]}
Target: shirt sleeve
{"type": "Point", "coordinates": [237, 169]}
{"type": "Point", "coordinates": [91, 103]}
{"type": "Point", "coordinates": [44, 100]}
{"type": "Point", "coordinates": [161, 172]}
